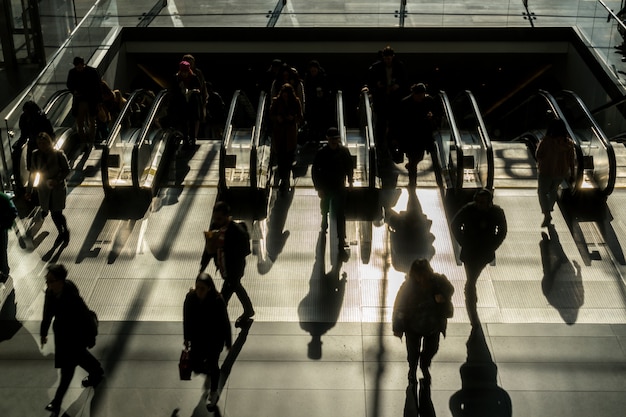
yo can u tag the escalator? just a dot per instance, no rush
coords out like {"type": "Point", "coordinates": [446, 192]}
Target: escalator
{"type": "Point", "coordinates": [138, 144]}
{"type": "Point", "coordinates": [244, 162]}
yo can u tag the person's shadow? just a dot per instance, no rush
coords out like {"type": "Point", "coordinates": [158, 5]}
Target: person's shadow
{"type": "Point", "coordinates": [410, 234]}
{"type": "Point", "coordinates": [276, 237]}
{"type": "Point", "coordinates": [562, 283]}
{"type": "Point", "coordinates": [319, 309]}
{"type": "Point", "coordinates": [480, 394]}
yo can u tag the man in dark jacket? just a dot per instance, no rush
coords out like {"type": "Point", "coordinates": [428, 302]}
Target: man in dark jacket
{"type": "Point", "coordinates": [228, 243]}
{"type": "Point", "coordinates": [84, 83]}
{"type": "Point", "coordinates": [421, 311]}
{"type": "Point", "coordinates": [480, 228]}
{"type": "Point", "coordinates": [70, 313]}
{"type": "Point", "coordinates": [331, 166]}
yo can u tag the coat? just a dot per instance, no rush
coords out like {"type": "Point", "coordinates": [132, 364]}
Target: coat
{"type": "Point", "coordinates": [70, 314]}
{"type": "Point", "coordinates": [331, 168]}
{"type": "Point", "coordinates": [416, 310]}
{"type": "Point", "coordinates": [556, 157]}
{"type": "Point", "coordinates": [205, 322]}
{"type": "Point", "coordinates": [52, 166]}
{"type": "Point", "coordinates": [286, 116]}
{"type": "Point", "coordinates": [236, 248]}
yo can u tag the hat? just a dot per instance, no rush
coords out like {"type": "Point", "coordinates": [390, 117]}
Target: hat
{"type": "Point", "coordinates": [418, 88]}
{"type": "Point", "coordinates": [332, 132]}
{"type": "Point", "coordinates": [184, 66]}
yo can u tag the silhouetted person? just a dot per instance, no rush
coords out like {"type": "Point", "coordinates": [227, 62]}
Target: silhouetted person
{"type": "Point", "coordinates": [387, 83]}
{"type": "Point", "coordinates": [206, 330]}
{"type": "Point", "coordinates": [418, 114]}
{"type": "Point", "coordinates": [332, 165]}
{"type": "Point", "coordinates": [8, 213]}
{"type": "Point", "coordinates": [556, 158]}
{"type": "Point", "coordinates": [480, 228]}
{"type": "Point", "coordinates": [421, 312]}
{"type": "Point", "coordinates": [84, 83]}
{"type": "Point", "coordinates": [64, 303]}
{"type": "Point", "coordinates": [32, 122]}
{"type": "Point", "coordinates": [229, 244]}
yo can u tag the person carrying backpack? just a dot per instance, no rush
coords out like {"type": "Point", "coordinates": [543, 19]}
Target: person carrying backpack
{"type": "Point", "coordinates": [228, 244]}
{"type": "Point", "coordinates": [73, 322]}
{"type": "Point", "coordinates": [8, 213]}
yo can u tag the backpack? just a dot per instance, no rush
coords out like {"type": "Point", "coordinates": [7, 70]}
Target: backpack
{"type": "Point", "coordinates": [90, 328]}
{"type": "Point", "coordinates": [8, 211]}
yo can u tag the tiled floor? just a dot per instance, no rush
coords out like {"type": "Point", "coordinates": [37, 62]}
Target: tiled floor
{"type": "Point", "coordinates": [321, 347]}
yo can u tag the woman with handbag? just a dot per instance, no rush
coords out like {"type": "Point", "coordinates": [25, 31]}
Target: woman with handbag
{"type": "Point", "coordinates": [421, 311]}
{"type": "Point", "coordinates": [206, 330]}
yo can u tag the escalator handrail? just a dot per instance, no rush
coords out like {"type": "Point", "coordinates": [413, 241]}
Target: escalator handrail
{"type": "Point", "coordinates": [604, 141]}
{"type": "Point", "coordinates": [579, 153]}
{"type": "Point", "coordinates": [143, 135]}
{"type": "Point", "coordinates": [58, 95]}
{"type": "Point", "coordinates": [341, 123]}
{"type": "Point", "coordinates": [456, 135]}
{"type": "Point", "coordinates": [257, 130]}
{"type": "Point", "coordinates": [484, 137]}
{"type": "Point", "coordinates": [226, 138]}
{"type": "Point", "coordinates": [369, 142]}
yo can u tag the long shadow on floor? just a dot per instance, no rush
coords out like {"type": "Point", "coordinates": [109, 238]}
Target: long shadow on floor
{"type": "Point", "coordinates": [562, 282]}
{"type": "Point", "coordinates": [480, 394]}
{"type": "Point", "coordinates": [319, 309]}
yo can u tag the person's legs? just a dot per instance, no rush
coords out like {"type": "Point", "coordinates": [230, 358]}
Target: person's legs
{"type": "Point", "coordinates": [227, 291]}
{"type": "Point", "coordinates": [61, 224]}
{"type": "Point", "coordinates": [324, 209]}
{"type": "Point", "coordinates": [431, 346]}
{"type": "Point", "coordinates": [338, 202]}
{"type": "Point", "coordinates": [414, 156]}
{"type": "Point", "coordinates": [67, 373]}
{"type": "Point", "coordinates": [413, 344]}
{"type": "Point", "coordinates": [90, 364]}
{"type": "Point", "coordinates": [244, 299]}
{"type": "Point", "coordinates": [547, 188]}
{"type": "Point", "coordinates": [82, 114]}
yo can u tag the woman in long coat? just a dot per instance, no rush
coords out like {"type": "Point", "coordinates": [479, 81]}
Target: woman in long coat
{"type": "Point", "coordinates": [206, 330]}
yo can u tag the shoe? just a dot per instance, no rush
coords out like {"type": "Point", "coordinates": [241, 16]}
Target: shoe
{"type": "Point", "coordinates": [211, 401]}
{"type": "Point", "coordinates": [54, 408]}
{"type": "Point", "coordinates": [244, 319]}
{"type": "Point", "coordinates": [92, 381]}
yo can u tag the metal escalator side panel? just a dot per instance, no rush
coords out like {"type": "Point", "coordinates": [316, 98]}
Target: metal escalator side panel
{"type": "Point", "coordinates": [600, 165]}
{"type": "Point", "coordinates": [450, 146]}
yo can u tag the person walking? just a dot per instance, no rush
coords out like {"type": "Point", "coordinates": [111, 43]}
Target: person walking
{"type": "Point", "coordinates": [556, 159]}
{"type": "Point", "coordinates": [332, 165]}
{"type": "Point", "coordinates": [480, 228]}
{"type": "Point", "coordinates": [421, 311]}
{"type": "Point", "coordinates": [418, 113]}
{"type": "Point", "coordinates": [206, 330]}
{"type": "Point", "coordinates": [8, 213]}
{"type": "Point", "coordinates": [84, 83]}
{"type": "Point", "coordinates": [228, 243]}
{"type": "Point", "coordinates": [64, 303]}
{"type": "Point", "coordinates": [49, 168]}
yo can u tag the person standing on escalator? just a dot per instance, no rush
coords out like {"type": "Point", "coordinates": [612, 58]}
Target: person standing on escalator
{"type": "Point", "coordinates": [556, 160]}
{"type": "Point", "coordinates": [418, 113]}
{"type": "Point", "coordinates": [84, 83]}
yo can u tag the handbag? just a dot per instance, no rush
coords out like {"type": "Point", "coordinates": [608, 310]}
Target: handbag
{"type": "Point", "coordinates": [184, 365]}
